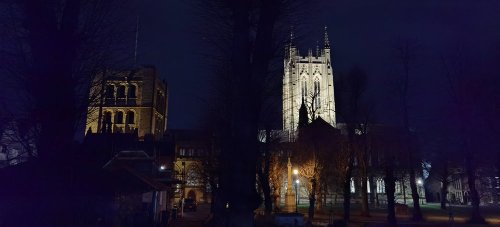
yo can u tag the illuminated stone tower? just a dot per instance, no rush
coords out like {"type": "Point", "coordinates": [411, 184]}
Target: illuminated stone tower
{"type": "Point", "coordinates": [129, 101]}
{"type": "Point", "coordinates": [308, 78]}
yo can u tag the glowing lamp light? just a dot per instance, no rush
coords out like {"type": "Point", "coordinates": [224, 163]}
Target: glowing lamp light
{"type": "Point", "coordinates": [162, 167]}
{"type": "Point", "coordinates": [420, 182]}
{"type": "Point", "coordinates": [297, 181]}
{"type": "Point", "coordinates": [295, 172]}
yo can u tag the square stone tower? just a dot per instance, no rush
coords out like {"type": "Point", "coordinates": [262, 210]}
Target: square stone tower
{"type": "Point", "coordinates": [126, 101]}
{"type": "Point", "coordinates": [307, 79]}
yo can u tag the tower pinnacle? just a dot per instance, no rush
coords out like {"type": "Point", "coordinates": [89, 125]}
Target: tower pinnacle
{"type": "Point", "coordinates": [317, 48]}
{"type": "Point", "coordinates": [327, 42]}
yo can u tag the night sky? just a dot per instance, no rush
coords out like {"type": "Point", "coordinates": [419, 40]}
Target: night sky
{"type": "Point", "coordinates": [363, 33]}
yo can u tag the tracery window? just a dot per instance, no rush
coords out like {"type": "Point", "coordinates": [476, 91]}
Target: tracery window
{"type": "Point", "coordinates": [304, 89]}
{"type": "Point", "coordinates": [317, 95]}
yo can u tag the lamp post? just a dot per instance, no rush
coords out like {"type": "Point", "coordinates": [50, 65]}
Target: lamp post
{"type": "Point", "coordinates": [296, 174]}
{"type": "Point", "coordinates": [297, 196]}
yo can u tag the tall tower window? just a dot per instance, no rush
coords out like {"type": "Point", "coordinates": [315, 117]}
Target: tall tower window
{"type": "Point", "coordinates": [130, 117]}
{"type": "Point", "coordinates": [120, 94]}
{"type": "Point", "coordinates": [110, 91]}
{"type": "Point", "coordinates": [304, 89]}
{"type": "Point", "coordinates": [119, 117]}
{"type": "Point", "coordinates": [107, 117]}
{"type": "Point", "coordinates": [131, 91]}
{"type": "Point", "coordinates": [120, 91]}
{"type": "Point", "coordinates": [317, 95]}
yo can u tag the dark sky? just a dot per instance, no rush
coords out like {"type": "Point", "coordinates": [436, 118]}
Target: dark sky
{"type": "Point", "coordinates": [363, 33]}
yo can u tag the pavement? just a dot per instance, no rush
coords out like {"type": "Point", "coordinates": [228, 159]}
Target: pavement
{"type": "Point", "coordinates": [193, 218]}
{"type": "Point", "coordinates": [433, 217]}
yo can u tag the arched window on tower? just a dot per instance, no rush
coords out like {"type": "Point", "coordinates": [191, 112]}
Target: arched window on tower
{"type": "Point", "coordinates": [110, 91]}
{"type": "Point", "coordinates": [131, 95]}
{"type": "Point", "coordinates": [317, 94]}
{"type": "Point", "coordinates": [107, 117]}
{"type": "Point", "coordinates": [119, 117]}
{"type": "Point", "coordinates": [120, 91]}
{"type": "Point", "coordinates": [131, 91]}
{"type": "Point", "coordinates": [130, 117]}
{"type": "Point", "coordinates": [110, 94]}
{"type": "Point", "coordinates": [120, 95]}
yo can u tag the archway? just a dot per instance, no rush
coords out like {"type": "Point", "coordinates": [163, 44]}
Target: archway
{"type": "Point", "coordinates": [192, 194]}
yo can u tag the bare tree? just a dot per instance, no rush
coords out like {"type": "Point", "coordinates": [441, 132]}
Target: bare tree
{"type": "Point", "coordinates": [350, 98]}
{"type": "Point", "coordinates": [465, 93]}
{"type": "Point", "coordinates": [54, 49]}
{"type": "Point", "coordinates": [251, 28]}
{"type": "Point", "coordinates": [406, 56]}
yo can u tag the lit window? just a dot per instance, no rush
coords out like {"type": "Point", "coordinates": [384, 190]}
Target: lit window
{"type": "Point", "coordinates": [380, 186]}
{"type": "Point", "coordinates": [353, 188]}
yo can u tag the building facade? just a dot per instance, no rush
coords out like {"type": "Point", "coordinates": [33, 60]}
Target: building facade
{"type": "Point", "coordinates": [307, 79]}
{"type": "Point", "coordinates": [129, 101]}
{"type": "Point", "coordinates": [193, 164]}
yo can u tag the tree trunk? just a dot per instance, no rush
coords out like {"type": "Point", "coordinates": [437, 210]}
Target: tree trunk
{"type": "Point", "coordinates": [347, 191]}
{"type": "Point", "coordinates": [444, 192]}
{"type": "Point", "coordinates": [365, 210]}
{"type": "Point", "coordinates": [312, 199]}
{"type": "Point", "coordinates": [475, 217]}
{"type": "Point", "coordinates": [276, 200]}
{"type": "Point", "coordinates": [263, 172]}
{"type": "Point", "coordinates": [390, 188]}
{"type": "Point", "coordinates": [417, 213]}
{"type": "Point", "coordinates": [373, 189]}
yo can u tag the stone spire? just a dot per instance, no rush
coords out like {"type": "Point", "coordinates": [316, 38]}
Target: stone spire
{"type": "Point", "coordinates": [292, 37]}
{"type": "Point", "coordinates": [327, 42]}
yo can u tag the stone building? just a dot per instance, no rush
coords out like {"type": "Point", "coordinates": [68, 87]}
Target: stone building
{"type": "Point", "coordinates": [307, 79]}
{"type": "Point", "coordinates": [129, 101]}
{"type": "Point", "coordinates": [193, 163]}
{"type": "Point", "coordinates": [457, 190]}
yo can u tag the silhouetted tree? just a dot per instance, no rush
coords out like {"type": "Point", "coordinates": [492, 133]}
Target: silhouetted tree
{"type": "Point", "coordinates": [467, 94]}
{"type": "Point", "coordinates": [406, 56]}
{"type": "Point", "coordinates": [245, 63]}
{"type": "Point", "coordinates": [54, 48]}
{"type": "Point", "coordinates": [350, 95]}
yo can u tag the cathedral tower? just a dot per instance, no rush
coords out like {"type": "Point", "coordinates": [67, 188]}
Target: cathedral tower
{"type": "Point", "coordinates": [308, 78]}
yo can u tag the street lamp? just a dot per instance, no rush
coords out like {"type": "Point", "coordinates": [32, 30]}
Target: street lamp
{"type": "Point", "coordinates": [296, 174]}
{"type": "Point", "coordinates": [297, 196]}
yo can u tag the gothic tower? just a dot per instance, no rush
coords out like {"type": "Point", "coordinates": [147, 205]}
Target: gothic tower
{"type": "Point", "coordinates": [308, 78]}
